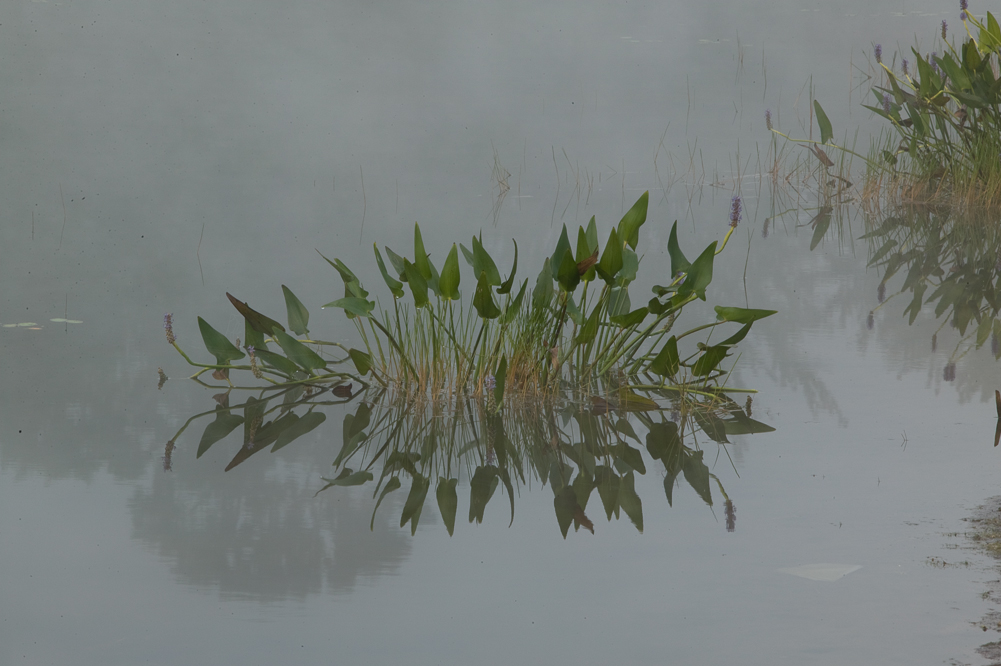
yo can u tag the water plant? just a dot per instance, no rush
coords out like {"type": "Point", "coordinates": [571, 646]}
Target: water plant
{"type": "Point", "coordinates": [943, 143]}
{"type": "Point", "coordinates": [573, 325]}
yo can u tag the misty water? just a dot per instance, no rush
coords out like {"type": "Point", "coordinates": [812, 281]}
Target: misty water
{"type": "Point", "coordinates": [158, 155]}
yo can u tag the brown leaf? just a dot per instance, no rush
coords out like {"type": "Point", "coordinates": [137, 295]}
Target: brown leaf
{"type": "Point", "coordinates": [578, 515]}
{"type": "Point", "coordinates": [222, 398]}
{"type": "Point", "coordinates": [822, 156]}
{"type": "Point", "coordinates": [342, 390]}
{"type": "Point", "coordinates": [585, 265]}
{"type": "Point", "coordinates": [221, 374]}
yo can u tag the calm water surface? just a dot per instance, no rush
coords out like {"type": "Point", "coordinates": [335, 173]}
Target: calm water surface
{"type": "Point", "coordinates": [157, 155]}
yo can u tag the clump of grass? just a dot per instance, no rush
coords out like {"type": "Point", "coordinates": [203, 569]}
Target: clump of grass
{"type": "Point", "coordinates": [945, 113]}
{"type": "Point", "coordinates": [573, 325]}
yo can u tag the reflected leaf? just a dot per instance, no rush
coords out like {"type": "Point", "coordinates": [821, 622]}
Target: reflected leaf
{"type": "Point", "coordinates": [697, 475]}
{"type": "Point", "coordinates": [347, 477]}
{"type": "Point", "coordinates": [448, 502]}
{"type": "Point", "coordinates": [630, 501]}
{"type": "Point", "coordinates": [415, 503]}
{"type": "Point", "coordinates": [607, 482]}
{"type": "Point", "coordinates": [391, 485]}
{"type": "Point", "coordinates": [481, 489]}
{"type": "Point", "coordinates": [307, 423]}
{"type": "Point", "coordinates": [225, 423]}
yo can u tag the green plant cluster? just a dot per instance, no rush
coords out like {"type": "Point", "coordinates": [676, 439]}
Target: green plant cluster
{"type": "Point", "coordinates": [945, 110]}
{"type": "Point", "coordinates": [574, 324]}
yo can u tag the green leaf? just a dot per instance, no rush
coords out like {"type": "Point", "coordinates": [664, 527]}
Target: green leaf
{"type": "Point", "coordinates": [984, 330]}
{"type": "Point", "coordinates": [679, 264]}
{"type": "Point", "coordinates": [301, 426]}
{"type": "Point", "coordinates": [610, 264]}
{"type": "Point", "coordinates": [298, 315]}
{"type": "Point", "coordinates": [277, 361]}
{"type": "Point", "coordinates": [483, 299]}
{"type": "Point", "coordinates": [630, 501]}
{"type": "Point", "coordinates": [634, 218]}
{"type": "Point", "coordinates": [499, 378]}
{"type": "Point", "coordinates": [483, 263]}
{"type": "Point", "coordinates": [826, 132]}
{"type": "Point", "coordinates": [252, 337]}
{"type": "Point", "coordinates": [568, 276]}
{"type": "Point", "coordinates": [420, 255]}
{"type": "Point", "coordinates": [709, 360]}
{"type": "Point", "coordinates": [415, 503]}
{"type": "Point", "coordinates": [352, 285]}
{"type": "Point", "coordinates": [514, 307]}
{"type": "Point", "coordinates": [395, 286]}
{"type": "Point", "coordinates": [257, 321]}
{"type": "Point", "coordinates": [418, 284]}
{"type": "Point", "coordinates": [353, 306]}
{"type": "Point", "coordinates": [700, 274]}
{"type": "Point", "coordinates": [742, 315]}
{"type": "Point", "coordinates": [362, 361]}
{"type": "Point", "coordinates": [391, 485]}
{"type": "Point", "coordinates": [630, 319]}
{"type": "Point", "coordinates": [506, 287]}
{"type": "Point", "coordinates": [667, 362]}
{"type": "Point", "coordinates": [556, 259]}
{"type": "Point", "coordinates": [218, 344]}
{"type": "Point", "coordinates": [590, 328]}
{"type": "Point", "coordinates": [448, 282]}
{"type": "Point", "coordinates": [448, 501]}
{"type": "Point", "coordinates": [543, 292]}
{"type": "Point", "coordinates": [225, 423]}
{"type": "Point", "coordinates": [348, 478]}
{"type": "Point", "coordinates": [663, 441]}
{"type": "Point", "coordinates": [584, 251]}
{"type": "Point", "coordinates": [397, 262]}
{"type": "Point", "coordinates": [299, 353]}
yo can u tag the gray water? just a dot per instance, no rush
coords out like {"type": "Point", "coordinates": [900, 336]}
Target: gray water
{"type": "Point", "coordinates": [157, 155]}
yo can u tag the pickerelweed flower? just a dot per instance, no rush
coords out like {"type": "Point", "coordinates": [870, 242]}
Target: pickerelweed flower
{"type": "Point", "coordinates": [734, 210]}
{"type": "Point", "coordinates": [168, 326]}
{"type": "Point", "coordinates": [870, 321]}
{"type": "Point", "coordinates": [886, 103]}
{"type": "Point", "coordinates": [903, 66]}
{"type": "Point", "coordinates": [881, 292]}
{"type": "Point", "coordinates": [254, 367]}
{"type": "Point", "coordinates": [489, 383]}
{"type": "Point", "coordinates": [949, 372]}
{"type": "Point", "coordinates": [945, 29]}
{"type": "Point", "coordinates": [963, 6]}
{"type": "Point", "coordinates": [878, 52]}
{"type": "Point", "coordinates": [931, 61]}
{"type": "Point", "coordinates": [768, 119]}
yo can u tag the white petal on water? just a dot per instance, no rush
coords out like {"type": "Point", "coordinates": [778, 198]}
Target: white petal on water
{"type": "Point", "coordinates": [822, 571]}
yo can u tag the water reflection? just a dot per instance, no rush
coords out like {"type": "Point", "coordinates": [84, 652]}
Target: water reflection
{"type": "Point", "coordinates": [950, 264]}
{"type": "Point", "coordinates": [572, 444]}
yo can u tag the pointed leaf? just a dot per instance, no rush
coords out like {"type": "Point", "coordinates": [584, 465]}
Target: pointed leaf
{"type": "Point", "coordinates": [395, 286]}
{"type": "Point", "coordinates": [506, 287]}
{"type": "Point", "coordinates": [225, 423]}
{"type": "Point", "coordinates": [679, 264]}
{"type": "Point", "coordinates": [448, 282]}
{"type": "Point", "coordinates": [259, 322]}
{"type": "Point", "coordinates": [218, 344]}
{"type": "Point", "coordinates": [556, 259]}
{"type": "Point", "coordinates": [362, 361]}
{"type": "Point", "coordinates": [611, 259]}
{"type": "Point", "coordinates": [299, 353]}
{"type": "Point", "coordinates": [298, 315]}
{"type": "Point", "coordinates": [310, 421]}
{"type": "Point", "coordinates": [826, 133]}
{"type": "Point", "coordinates": [391, 485]}
{"type": "Point", "coordinates": [348, 478]}
{"type": "Point", "coordinates": [741, 315]}
{"type": "Point", "coordinates": [634, 218]}
{"type": "Point", "coordinates": [700, 274]}
{"type": "Point", "coordinates": [415, 503]}
{"type": "Point", "coordinates": [418, 284]}
{"type": "Point", "coordinates": [353, 306]}
{"type": "Point", "coordinates": [667, 362]}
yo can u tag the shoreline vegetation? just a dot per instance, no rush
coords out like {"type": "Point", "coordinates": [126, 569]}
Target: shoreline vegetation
{"type": "Point", "coordinates": [943, 142]}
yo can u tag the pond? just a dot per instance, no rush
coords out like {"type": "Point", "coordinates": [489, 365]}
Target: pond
{"type": "Point", "coordinates": [159, 155]}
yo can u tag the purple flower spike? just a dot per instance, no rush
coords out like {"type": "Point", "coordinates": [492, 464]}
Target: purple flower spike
{"type": "Point", "coordinates": [945, 29]}
{"type": "Point", "coordinates": [168, 326]}
{"type": "Point", "coordinates": [903, 66]}
{"type": "Point", "coordinates": [735, 206]}
{"type": "Point", "coordinates": [878, 52]}
{"type": "Point", "coordinates": [886, 103]}
{"type": "Point", "coordinates": [963, 6]}
{"type": "Point", "coordinates": [768, 119]}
